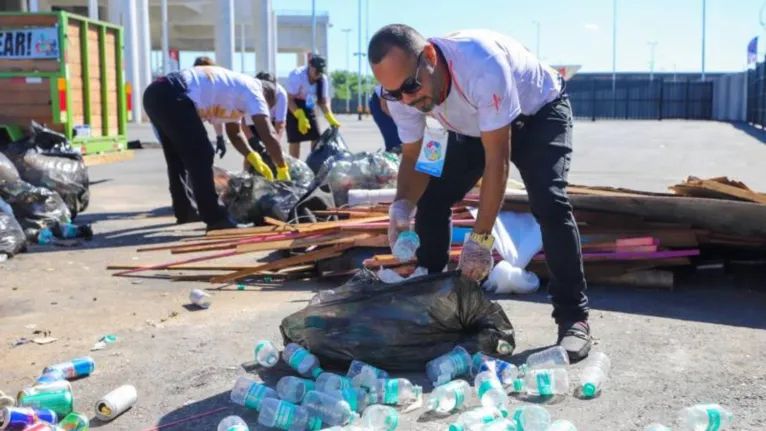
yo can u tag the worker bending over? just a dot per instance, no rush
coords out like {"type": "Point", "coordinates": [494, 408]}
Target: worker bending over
{"type": "Point", "coordinates": [220, 142]}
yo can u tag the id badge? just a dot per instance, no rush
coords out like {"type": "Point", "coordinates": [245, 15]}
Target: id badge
{"type": "Point", "coordinates": [433, 153]}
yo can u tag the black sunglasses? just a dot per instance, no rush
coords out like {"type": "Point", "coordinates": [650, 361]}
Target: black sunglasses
{"type": "Point", "coordinates": [410, 85]}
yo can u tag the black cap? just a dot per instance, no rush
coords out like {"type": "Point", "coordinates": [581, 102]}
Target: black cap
{"type": "Point", "coordinates": [318, 62]}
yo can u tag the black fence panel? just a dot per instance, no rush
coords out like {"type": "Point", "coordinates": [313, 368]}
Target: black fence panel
{"type": "Point", "coordinates": [756, 95]}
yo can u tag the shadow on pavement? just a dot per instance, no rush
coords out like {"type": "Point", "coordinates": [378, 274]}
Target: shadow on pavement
{"type": "Point", "coordinates": [204, 415]}
{"type": "Point", "coordinates": [759, 134]}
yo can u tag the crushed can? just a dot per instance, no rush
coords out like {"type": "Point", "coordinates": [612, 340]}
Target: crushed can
{"type": "Point", "coordinates": [78, 367]}
{"type": "Point", "coordinates": [60, 402]}
{"type": "Point", "coordinates": [61, 385]}
{"type": "Point", "coordinates": [74, 422]}
{"type": "Point", "coordinates": [19, 418]}
{"type": "Point", "coordinates": [51, 376]}
{"type": "Point", "coordinates": [200, 298]}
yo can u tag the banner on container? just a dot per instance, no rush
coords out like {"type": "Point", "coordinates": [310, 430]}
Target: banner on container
{"type": "Point", "coordinates": [29, 44]}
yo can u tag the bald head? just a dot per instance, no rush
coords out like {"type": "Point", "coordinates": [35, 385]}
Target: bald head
{"type": "Point", "coordinates": [394, 36]}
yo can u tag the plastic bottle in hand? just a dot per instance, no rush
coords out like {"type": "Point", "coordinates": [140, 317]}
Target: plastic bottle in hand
{"type": "Point", "coordinates": [657, 427]}
{"type": "Point", "coordinates": [552, 357]}
{"type": "Point", "coordinates": [406, 245]}
{"type": "Point", "coordinates": [505, 371]}
{"type": "Point", "coordinates": [364, 375]}
{"type": "Point", "coordinates": [249, 393]}
{"type": "Point", "coordinates": [448, 366]}
{"type": "Point", "coordinates": [329, 382]}
{"type": "Point", "coordinates": [358, 399]}
{"type": "Point", "coordinates": [475, 419]}
{"type": "Point", "coordinates": [562, 425]}
{"type": "Point", "coordinates": [233, 423]}
{"type": "Point", "coordinates": [594, 373]}
{"type": "Point", "coordinates": [705, 417]}
{"type": "Point", "coordinates": [531, 418]}
{"type": "Point", "coordinates": [301, 360]}
{"type": "Point", "coordinates": [266, 354]}
{"type": "Point", "coordinates": [547, 382]}
{"type": "Point", "coordinates": [293, 389]}
{"type": "Point", "coordinates": [286, 416]}
{"type": "Point", "coordinates": [448, 397]}
{"type": "Point", "coordinates": [395, 392]}
{"type": "Point", "coordinates": [490, 390]}
{"type": "Point", "coordinates": [380, 418]}
{"type": "Point", "coordinates": [329, 409]}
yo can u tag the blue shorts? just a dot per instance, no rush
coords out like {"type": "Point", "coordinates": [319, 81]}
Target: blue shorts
{"type": "Point", "coordinates": [385, 124]}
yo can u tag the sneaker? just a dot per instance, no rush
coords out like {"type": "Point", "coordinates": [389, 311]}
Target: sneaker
{"type": "Point", "coordinates": [575, 339]}
{"type": "Point", "coordinates": [189, 218]}
{"type": "Point", "coordinates": [226, 223]}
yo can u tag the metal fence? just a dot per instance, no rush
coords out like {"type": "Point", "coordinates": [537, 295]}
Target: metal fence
{"type": "Point", "coordinates": [640, 99]}
{"type": "Point", "coordinates": [756, 95]}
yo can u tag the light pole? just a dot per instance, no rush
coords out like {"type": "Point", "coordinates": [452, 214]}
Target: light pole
{"type": "Point", "coordinates": [652, 46]}
{"type": "Point", "coordinates": [348, 69]}
{"type": "Point", "coordinates": [359, 75]}
{"type": "Point", "coordinates": [704, 16]}
{"type": "Point", "coordinates": [537, 24]}
{"type": "Point", "coordinates": [614, 57]}
{"type": "Point", "coordinates": [314, 27]}
{"type": "Point", "coordinates": [367, 39]}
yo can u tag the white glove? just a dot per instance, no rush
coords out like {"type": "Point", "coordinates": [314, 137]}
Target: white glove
{"type": "Point", "coordinates": [399, 214]}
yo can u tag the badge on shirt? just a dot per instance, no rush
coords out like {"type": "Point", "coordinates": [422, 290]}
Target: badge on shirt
{"type": "Point", "coordinates": [433, 152]}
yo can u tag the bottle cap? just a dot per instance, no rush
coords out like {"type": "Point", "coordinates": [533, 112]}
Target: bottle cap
{"type": "Point", "coordinates": [456, 427]}
{"type": "Point", "coordinates": [518, 385]}
{"type": "Point", "coordinates": [589, 390]}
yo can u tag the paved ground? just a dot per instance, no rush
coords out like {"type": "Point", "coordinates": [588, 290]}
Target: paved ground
{"type": "Point", "coordinates": [702, 343]}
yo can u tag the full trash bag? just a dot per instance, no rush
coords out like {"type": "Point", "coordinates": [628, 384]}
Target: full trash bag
{"type": "Point", "coordinates": [401, 326]}
{"type": "Point", "coordinates": [330, 144]}
{"type": "Point", "coordinates": [47, 159]}
{"type": "Point", "coordinates": [12, 238]}
{"type": "Point", "coordinates": [365, 170]}
{"type": "Point", "coordinates": [300, 174]}
{"type": "Point", "coordinates": [250, 198]}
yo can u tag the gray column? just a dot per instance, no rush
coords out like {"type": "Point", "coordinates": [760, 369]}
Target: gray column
{"type": "Point", "coordinates": [263, 35]}
{"type": "Point", "coordinates": [145, 44]}
{"type": "Point", "coordinates": [224, 35]}
{"type": "Point", "coordinates": [165, 37]}
{"type": "Point", "coordinates": [93, 9]}
{"type": "Point", "coordinates": [132, 60]}
{"type": "Point", "coordinates": [274, 43]}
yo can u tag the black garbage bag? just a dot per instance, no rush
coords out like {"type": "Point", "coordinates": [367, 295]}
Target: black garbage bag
{"type": "Point", "coordinates": [12, 238]}
{"type": "Point", "coordinates": [398, 327]}
{"type": "Point", "coordinates": [47, 159]}
{"type": "Point", "coordinates": [300, 173]}
{"type": "Point", "coordinates": [330, 144]}
{"type": "Point", "coordinates": [251, 198]}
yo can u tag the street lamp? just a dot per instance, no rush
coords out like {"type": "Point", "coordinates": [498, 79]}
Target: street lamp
{"type": "Point", "coordinates": [359, 75]}
{"type": "Point", "coordinates": [348, 69]}
{"type": "Point", "coordinates": [704, 10]}
{"type": "Point", "coordinates": [652, 46]}
{"type": "Point", "coordinates": [614, 58]}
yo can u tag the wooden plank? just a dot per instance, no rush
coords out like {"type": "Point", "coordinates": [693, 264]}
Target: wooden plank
{"type": "Point", "coordinates": [169, 264]}
{"type": "Point", "coordinates": [723, 188]}
{"type": "Point", "coordinates": [338, 238]}
{"type": "Point", "coordinates": [28, 20]}
{"type": "Point", "coordinates": [19, 66]}
{"type": "Point", "coordinates": [309, 227]}
{"type": "Point", "coordinates": [225, 245]}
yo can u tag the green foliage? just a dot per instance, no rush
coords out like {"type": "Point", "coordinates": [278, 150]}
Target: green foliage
{"type": "Point", "coordinates": [343, 81]}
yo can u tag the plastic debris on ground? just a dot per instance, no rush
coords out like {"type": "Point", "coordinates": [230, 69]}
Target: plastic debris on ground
{"type": "Point", "coordinates": [300, 174]}
{"type": "Point", "coordinates": [251, 198]}
{"type": "Point", "coordinates": [330, 144]}
{"type": "Point", "coordinates": [365, 170]}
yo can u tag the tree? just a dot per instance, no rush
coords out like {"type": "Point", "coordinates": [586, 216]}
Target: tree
{"type": "Point", "coordinates": [345, 84]}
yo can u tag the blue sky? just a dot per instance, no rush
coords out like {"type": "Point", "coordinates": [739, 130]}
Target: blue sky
{"type": "Point", "coordinates": [571, 31]}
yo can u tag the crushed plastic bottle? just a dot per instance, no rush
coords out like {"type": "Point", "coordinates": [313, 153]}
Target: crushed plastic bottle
{"type": "Point", "coordinates": [347, 428]}
{"type": "Point", "coordinates": [406, 245]}
{"type": "Point", "coordinates": [448, 366]}
{"type": "Point", "coordinates": [474, 420]}
{"type": "Point", "coordinates": [499, 425]}
{"type": "Point", "coordinates": [250, 393]}
{"type": "Point", "coordinates": [552, 357]}
{"type": "Point", "coordinates": [331, 410]}
{"type": "Point", "coordinates": [364, 375]}
{"type": "Point", "coordinates": [448, 397]}
{"type": "Point", "coordinates": [286, 416]}
{"type": "Point", "coordinates": [358, 399]}
{"type": "Point", "coordinates": [233, 423]}
{"type": "Point", "coordinates": [531, 418]}
{"type": "Point", "coordinates": [490, 390]}
{"type": "Point", "coordinates": [329, 382]}
{"type": "Point", "coordinates": [657, 427]}
{"type": "Point", "coordinates": [380, 418]}
{"type": "Point", "coordinates": [705, 417]}
{"type": "Point", "coordinates": [562, 425]}
{"type": "Point", "coordinates": [505, 371]}
{"type": "Point", "coordinates": [545, 383]}
{"type": "Point", "coordinates": [266, 353]}
{"type": "Point", "coordinates": [594, 373]}
{"type": "Point", "coordinates": [293, 389]}
{"type": "Point", "coordinates": [301, 360]}
{"type": "Point", "coordinates": [395, 392]}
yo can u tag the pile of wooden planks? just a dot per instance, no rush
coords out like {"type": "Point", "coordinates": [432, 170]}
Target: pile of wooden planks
{"type": "Point", "coordinates": [628, 237]}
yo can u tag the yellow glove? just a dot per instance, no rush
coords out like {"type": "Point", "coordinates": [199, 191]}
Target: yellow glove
{"type": "Point", "coordinates": [283, 173]}
{"type": "Point", "coordinates": [260, 166]}
{"type": "Point", "coordinates": [303, 122]}
{"type": "Point", "coordinates": [331, 119]}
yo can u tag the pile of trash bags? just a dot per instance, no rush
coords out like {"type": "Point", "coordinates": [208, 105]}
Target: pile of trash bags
{"type": "Point", "coordinates": [400, 326]}
{"type": "Point", "coordinates": [250, 198]}
{"type": "Point", "coordinates": [12, 239]}
{"type": "Point", "coordinates": [300, 174]}
{"type": "Point", "coordinates": [329, 145]}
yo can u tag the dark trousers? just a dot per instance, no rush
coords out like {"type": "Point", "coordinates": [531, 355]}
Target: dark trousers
{"type": "Point", "coordinates": [541, 149]}
{"type": "Point", "coordinates": [187, 149]}
{"type": "Point", "coordinates": [385, 123]}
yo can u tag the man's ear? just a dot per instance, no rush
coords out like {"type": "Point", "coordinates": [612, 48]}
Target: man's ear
{"type": "Point", "coordinates": [429, 52]}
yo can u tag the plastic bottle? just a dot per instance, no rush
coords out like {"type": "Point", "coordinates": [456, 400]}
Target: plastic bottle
{"type": "Point", "coordinates": [347, 428]}
{"type": "Point", "coordinates": [545, 383]}
{"type": "Point", "coordinates": [395, 392]}
{"type": "Point", "coordinates": [250, 393]}
{"type": "Point", "coordinates": [301, 360]}
{"type": "Point", "coordinates": [657, 427]}
{"type": "Point", "coordinates": [531, 418]}
{"type": "Point", "coordinates": [51, 376]}
{"type": "Point", "coordinates": [266, 354]}
{"type": "Point", "coordinates": [75, 422]}
{"type": "Point", "coordinates": [286, 416]}
{"type": "Point", "coordinates": [331, 410]}
{"type": "Point", "coordinates": [233, 423]}
{"type": "Point", "coordinates": [490, 390]}
{"type": "Point", "coordinates": [448, 397]}
{"type": "Point", "coordinates": [380, 418]}
{"type": "Point", "coordinates": [448, 366]}
{"type": "Point", "coordinates": [406, 245]}
{"type": "Point", "coordinates": [358, 399]}
{"type": "Point", "coordinates": [562, 425]}
{"type": "Point", "coordinates": [329, 382]}
{"type": "Point", "coordinates": [552, 357]}
{"type": "Point", "coordinates": [705, 417]}
{"type": "Point", "coordinates": [293, 389]}
{"type": "Point", "coordinates": [473, 420]}
{"type": "Point", "coordinates": [505, 371]}
{"type": "Point", "coordinates": [499, 425]}
{"type": "Point", "coordinates": [364, 375]}
{"type": "Point", "coordinates": [594, 373]}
